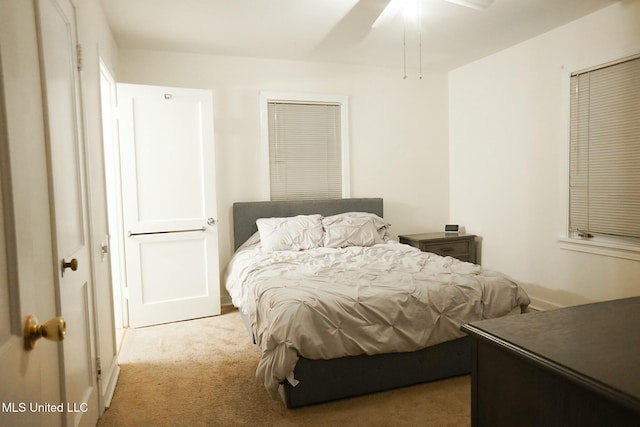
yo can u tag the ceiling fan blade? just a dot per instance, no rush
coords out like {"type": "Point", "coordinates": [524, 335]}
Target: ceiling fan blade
{"type": "Point", "coordinates": [412, 8]}
{"type": "Point", "coordinates": [392, 8]}
{"type": "Point", "coordinates": [473, 4]}
{"type": "Point", "coordinates": [355, 25]}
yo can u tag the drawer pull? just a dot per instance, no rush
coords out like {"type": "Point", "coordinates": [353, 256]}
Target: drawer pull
{"type": "Point", "coordinates": [447, 250]}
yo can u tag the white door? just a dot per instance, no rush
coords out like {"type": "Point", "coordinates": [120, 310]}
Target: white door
{"type": "Point", "coordinates": [57, 31]}
{"type": "Point", "coordinates": [25, 376]}
{"type": "Point", "coordinates": [169, 203]}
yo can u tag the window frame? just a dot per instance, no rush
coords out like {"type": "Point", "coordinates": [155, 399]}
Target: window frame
{"type": "Point", "coordinates": [599, 245]}
{"type": "Point", "coordinates": [342, 100]}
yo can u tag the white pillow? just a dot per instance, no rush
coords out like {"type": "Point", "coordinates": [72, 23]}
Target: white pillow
{"type": "Point", "coordinates": [291, 233]}
{"type": "Point", "coordinates": [379, 223]}
{"type": "Point", "coordinates": [352, 229]}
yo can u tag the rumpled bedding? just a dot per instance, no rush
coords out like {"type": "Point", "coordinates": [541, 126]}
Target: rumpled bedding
{"type": "Point", "coordinates": [327, 303]}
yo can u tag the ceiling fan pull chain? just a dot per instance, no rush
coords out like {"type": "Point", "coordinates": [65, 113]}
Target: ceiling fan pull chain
{"type": "Point", "coordinates": [420, 24]}
{"type": "Point", "coordinates": [404, 46]}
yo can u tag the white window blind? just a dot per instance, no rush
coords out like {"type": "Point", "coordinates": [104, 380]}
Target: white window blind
{"type": "Point", "coordinates": [305, 150]}
{"type": "Point", "coordinates": [604, 176]}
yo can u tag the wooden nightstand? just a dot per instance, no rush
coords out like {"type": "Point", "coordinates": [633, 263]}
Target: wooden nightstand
{"type": "Point", "coordinates": [457, 245]}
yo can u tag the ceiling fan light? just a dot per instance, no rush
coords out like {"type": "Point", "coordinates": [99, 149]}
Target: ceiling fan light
{"type": "Point", "coordinates": [473, 4]}
{"type": "Point", "coordinates": [408, 9]}
{"type": "Point", "coordinates": [411, 9]}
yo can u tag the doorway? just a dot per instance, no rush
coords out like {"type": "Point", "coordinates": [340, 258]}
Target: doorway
{"type": "Point", "coordinates": [114, 200]}
{"type": "Point", "coordinates": [160, 175]}
{"type": "Point", "coordinates": [169, 208]}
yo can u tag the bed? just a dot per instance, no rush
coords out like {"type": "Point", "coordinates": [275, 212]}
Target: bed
{"type": "Point", "coordinates": [341, 310]}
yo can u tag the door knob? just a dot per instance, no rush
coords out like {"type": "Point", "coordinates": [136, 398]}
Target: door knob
{"type": "Point", "coordinates": [53, 330]}
{"type": "Point", "coordinates": [73, 265]}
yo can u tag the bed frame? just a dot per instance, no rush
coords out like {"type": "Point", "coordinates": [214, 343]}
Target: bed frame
{"type": "Point", "coordinates": [326, 380]}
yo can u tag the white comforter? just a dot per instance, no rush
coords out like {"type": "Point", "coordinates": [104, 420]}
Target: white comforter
{"type": "Point", "coordinates": [327, 303]}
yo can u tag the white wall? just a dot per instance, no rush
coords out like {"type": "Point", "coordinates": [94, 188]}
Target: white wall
{"type": "Point", "coordinates": [508, 144]}
{"type": "Point", "coordinates": [398, 128]}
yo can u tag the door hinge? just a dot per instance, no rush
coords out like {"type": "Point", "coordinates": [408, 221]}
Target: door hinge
{"type": "Point", "coordinates": [98, 366]}
{"type": "Point", "coordinates": [79, 56]}
{"type": "Point", "coordinates": [125, 293]}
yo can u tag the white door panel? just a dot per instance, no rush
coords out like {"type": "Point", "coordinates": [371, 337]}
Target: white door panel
{"type": "Point", "coordinates": [180, 283]}
{"type": "Point", "coordinates": [168, 176]}
{"type": "Point", "coordinates": [165, 282]}
{"type": "Point", "coordinates": [23, 375]}
{"type": "Point", "coordinates": [182, 198]}
{"type": "Point", "coordinates": [57, 30]}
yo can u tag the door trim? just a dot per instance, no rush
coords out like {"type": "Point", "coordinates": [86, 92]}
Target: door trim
{"type": "Point", "coordinates": [15, 315]}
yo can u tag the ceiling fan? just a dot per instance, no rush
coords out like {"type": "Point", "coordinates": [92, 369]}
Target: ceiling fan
{"type": "Point", "coordinates": [366, 14]}
{"type": "Point", "coordinates": [411, 8]}
{"type": "Point", "coordinates": [473, 4]}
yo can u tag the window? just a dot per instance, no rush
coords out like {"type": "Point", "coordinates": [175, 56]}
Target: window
{"type": "Point", "coordinates": [305, 142]}
{"type": "Point", "coordinates": [604, 157]}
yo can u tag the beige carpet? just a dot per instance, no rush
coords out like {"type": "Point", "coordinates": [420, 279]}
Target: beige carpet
{"type": "Point", "coordinates": [201, 373]}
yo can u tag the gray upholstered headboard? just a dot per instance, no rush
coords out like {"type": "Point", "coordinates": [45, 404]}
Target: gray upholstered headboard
{"type": "Point", "coordinates": [245, 214]}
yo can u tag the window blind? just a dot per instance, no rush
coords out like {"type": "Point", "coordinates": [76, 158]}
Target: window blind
{"type": "Point", "coordinates": [305, 150]}
{"type": "Point", "coordinates": [604, 175]}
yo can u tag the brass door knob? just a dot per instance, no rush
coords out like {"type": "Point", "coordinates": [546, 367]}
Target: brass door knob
{"type": "Point", "coordinates": [73, 265]}
{"type": "Point", "coordinates": [53, 330]}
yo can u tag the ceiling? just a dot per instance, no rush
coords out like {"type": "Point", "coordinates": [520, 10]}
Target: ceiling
{"type": "Point", "coordinates": [337, 30]}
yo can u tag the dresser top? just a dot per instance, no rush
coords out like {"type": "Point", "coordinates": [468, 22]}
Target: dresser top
{"type": "Point", "coordinates": [597, 345]}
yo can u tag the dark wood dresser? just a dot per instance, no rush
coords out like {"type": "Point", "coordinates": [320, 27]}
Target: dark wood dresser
{"type": "Point", "coordinates": [576, 366]}
{"type": "Point", "coordinates": [457, 245]}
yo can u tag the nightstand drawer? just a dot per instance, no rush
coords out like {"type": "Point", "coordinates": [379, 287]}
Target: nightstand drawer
{"type": "Point", "coordinates": [453, 249]}
{"type": "Point", "coordinates": [461, 246]}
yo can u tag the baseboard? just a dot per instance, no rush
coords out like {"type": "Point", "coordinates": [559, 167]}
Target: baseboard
{"type": "Point", "coordinates": [540, 304]}
{"type": "Point", "coordinates": [543, 298]}
{"type": "Point", "coordinates": [110, 380]}
{"type": "Point", "coordinates": [225, 300]}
